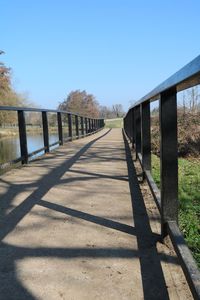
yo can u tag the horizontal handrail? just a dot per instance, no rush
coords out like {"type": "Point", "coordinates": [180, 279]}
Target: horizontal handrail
{"type": "Point", "coordinates": [78, 124]}
{"type": "Point", "coordinates": [137, 126]}
{"type": "Point", "coordinates": [186, 77]}
{"type": "Point", "coordinates": [33, 109]}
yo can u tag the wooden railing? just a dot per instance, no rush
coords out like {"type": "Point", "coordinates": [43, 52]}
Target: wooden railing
{"type": "Point", "coordinates": [137, 126]}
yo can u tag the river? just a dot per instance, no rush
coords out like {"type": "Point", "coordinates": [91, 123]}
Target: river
{"type": "Point", "coordinates": [10, 146]}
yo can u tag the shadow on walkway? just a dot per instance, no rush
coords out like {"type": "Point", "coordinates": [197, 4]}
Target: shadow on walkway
{"type": "Point", "coordinates": [154, 286]}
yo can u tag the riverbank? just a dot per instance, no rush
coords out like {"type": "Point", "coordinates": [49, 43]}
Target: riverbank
{"type": "Point", "coordinates": [9, 132]}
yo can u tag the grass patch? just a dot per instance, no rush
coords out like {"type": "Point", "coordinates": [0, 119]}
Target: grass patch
{"type": "Point", "coordinates": [189, 198]}
{"type": "Point", "coordinates": [114, 123]}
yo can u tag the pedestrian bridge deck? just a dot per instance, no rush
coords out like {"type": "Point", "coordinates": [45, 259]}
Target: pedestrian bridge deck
{"type": "Point", "coordinates": [77, 224]}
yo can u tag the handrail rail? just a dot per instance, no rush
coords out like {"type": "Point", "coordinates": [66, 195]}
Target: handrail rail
{"type": "Point", "coordinates": [137, 126]}
{"type": "Point", "coordinates": [33, 109]}
{"type": "Point", "coordinates": [186, 77]}
{"type": "Point", "coordinates": [83, 124]}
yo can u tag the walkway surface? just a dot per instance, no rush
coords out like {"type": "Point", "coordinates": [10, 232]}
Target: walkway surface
{"type": "Point", "coordinates": [74, 225]}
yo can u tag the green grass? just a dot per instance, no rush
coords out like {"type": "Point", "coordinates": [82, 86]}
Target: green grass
{"type": "Point", "coordinates": [189, 198]}
{"type": "Point", "coordinates": [114, 123]}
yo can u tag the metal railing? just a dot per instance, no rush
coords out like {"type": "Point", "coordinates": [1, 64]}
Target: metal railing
{"type": "Point", "coordinates": [137, 126]}
{"type": "Point", "coordinates": [82, 126]}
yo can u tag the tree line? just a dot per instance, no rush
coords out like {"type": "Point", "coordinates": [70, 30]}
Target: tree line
{"type": "Point", "coordinates": [77, 101]}
{"type": "Point", "coordinates": [86, 104]}
{"type": "Point", "coordinates": [8, 96]}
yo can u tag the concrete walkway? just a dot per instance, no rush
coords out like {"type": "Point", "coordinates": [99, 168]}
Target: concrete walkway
{"type": "Point", "coordinates": [74, 225]}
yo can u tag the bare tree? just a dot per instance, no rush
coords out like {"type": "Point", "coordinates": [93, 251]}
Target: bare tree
{"type": "Point", "coordinates": [118, 110]}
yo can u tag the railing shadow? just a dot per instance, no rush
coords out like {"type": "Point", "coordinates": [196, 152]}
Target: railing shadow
{"type": "Point", "coordinates": [11, 287]}
{"type": "Point", "coordinates": [154, 285]}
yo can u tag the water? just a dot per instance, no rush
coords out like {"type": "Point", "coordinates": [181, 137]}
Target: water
{"type": "Point", "coordinates": [10, 146]}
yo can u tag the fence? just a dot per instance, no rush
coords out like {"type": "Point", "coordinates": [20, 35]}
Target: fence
{"type": "Point", "coordinates": [137, 125]}
{"type": "Point", "coordinates": [82, 126]}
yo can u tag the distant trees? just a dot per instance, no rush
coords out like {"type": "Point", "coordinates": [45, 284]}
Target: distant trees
{"type": "Point", "coordinates": [82, 103]}
{"type": "Point", "coordinates": [191, 99]}
{"type": "Point", "coordinates": [86, 104]}
{"type": "Point", "coordinates": [116, 111]}
{"type": "Point", "coordinates": [8, 97]}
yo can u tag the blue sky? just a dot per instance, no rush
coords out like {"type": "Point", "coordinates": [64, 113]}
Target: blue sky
{"type": "Point", "coordinates": [117, 50]}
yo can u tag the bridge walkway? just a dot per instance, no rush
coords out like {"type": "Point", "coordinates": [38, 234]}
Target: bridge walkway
{"type": "Point", "coordinates": [75, 225]}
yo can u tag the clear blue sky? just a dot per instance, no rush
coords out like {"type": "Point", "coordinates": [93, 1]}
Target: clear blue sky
{"type": "Point", "coordinates": [117, 50]}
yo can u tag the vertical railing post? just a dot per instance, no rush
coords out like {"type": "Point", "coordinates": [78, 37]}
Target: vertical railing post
{"type": "Point", "coordinates": [82, 127]}
{"type": "Point", "coordinates": [77, 126]}
{"type": "Point", "coordinates": [45, 131]}
{"type": "Point", "coordinates": [128, 119]}
{"type": "Point", "coordinates": [133, 127]}
{"type": "Point", "coordinates": [69, 116]}
{"type": "Point", "coordinates": [137, 120]}
{"type": "Point", "coordinates": [146, 135]}
{"type": "Point", "coordinates": [168, 158]}
{"type": "Point", "coordinates": [90, 125]}
{"type": "Point", "coordinates": [60, 128]}
{"type": "Point", "coordinates": [86, 126]}
{"type": "Point", "coordinates": [22, 136]}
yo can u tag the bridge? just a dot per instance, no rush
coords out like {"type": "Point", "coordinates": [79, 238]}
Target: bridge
{"type": "Point", "coordinates": [86, 220]}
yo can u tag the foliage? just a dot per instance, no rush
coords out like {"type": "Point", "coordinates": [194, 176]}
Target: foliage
{"type": "Point", "coordinates": [82, 103]}
{"type": "Point", "coordinates": [8, 97]}
{"type": "Point", "coordinates": [189, 198]}
{"type": "Point", "coordinates": [188, 133]}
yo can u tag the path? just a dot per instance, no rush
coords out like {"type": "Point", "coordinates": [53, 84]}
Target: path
{"type": "Point", "coordinates": [74, 226]}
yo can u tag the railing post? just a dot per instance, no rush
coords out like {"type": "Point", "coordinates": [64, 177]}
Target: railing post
{"type": "Point", "coordinates": [70, 125]}
{"type": "Point", "coordinates": [168, 158]}
{"type": "Point", "coordinates": [129, 126]}
{"type": "Point", "coordinates": [60, 129]}
{"type": "Point", "coordinates": [22, 136]}
{"type": "Point", "coordinates": [77, 127]}
{"type": "Point", "coordinates": [92, 125]}
{"type": "Point", "coordinates": [89, 125]}
{"type": "Point", "coordinates": [82, 127]}
{"type": "Point", "coordinates": [133, 127]}
{"type": "Point", "coordinates": [146, 135]}
{"type": "Point", "coordinates": [86, 126]}
{"type": "Point", "coordinates": [137, 120]}
{"type": "Point", "coordinates": [45, 131]}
